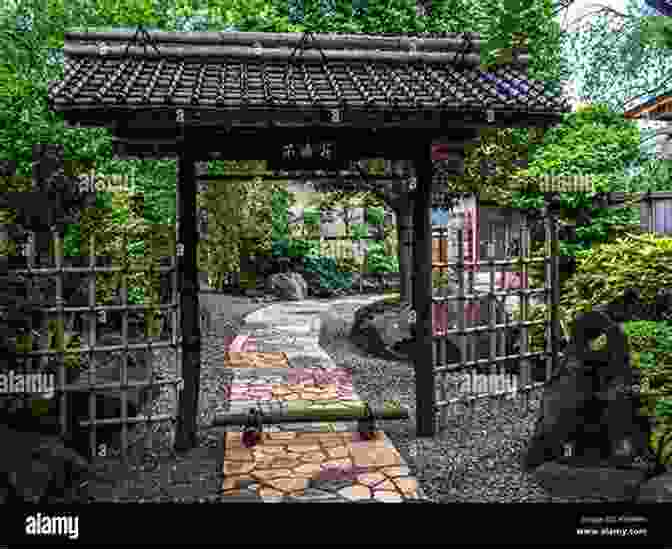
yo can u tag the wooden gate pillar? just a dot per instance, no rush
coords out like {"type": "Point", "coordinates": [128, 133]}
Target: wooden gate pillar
{"type": "Point", "coordinates": [188, 285]}
{"type": "Point", "coordinates": [425, 393]}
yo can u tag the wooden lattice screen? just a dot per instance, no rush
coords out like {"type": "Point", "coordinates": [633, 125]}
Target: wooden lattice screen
{"type": "Point", "coordinates": [96, 313]}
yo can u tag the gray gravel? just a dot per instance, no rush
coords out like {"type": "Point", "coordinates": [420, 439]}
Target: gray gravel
{"type": "Point", "coordinates": [471, 461]}
{"type": "Point", "coordinates": [475, 458]}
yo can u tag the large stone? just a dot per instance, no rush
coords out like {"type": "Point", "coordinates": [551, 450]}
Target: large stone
{"type": "Point", "coordinates": [591, 439]}
{"type": "Point", "coordinates": [333, 328]}
{"type": "Point", "coordinates": [369, 337]}
{"type": "Point", "coordinates": [591, 402]}
{"type": "Point", "coordinates": [367, 285]}
{"type": "Point", "coordinates": [39, 468]}
{"type": "Point", "coordinates": [575, 482]}
{"type": "Point", "coordinates": [288, 286]}
{"type": "Point", "coordinates": [563, 406]}
{"type": "Point", "coordinates": [656, 489]}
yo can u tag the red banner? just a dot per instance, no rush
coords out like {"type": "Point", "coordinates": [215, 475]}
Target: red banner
{"type": "Point", "coordinates": [471, 240]}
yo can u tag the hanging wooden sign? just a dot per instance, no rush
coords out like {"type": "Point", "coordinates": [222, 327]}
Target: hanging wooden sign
{"type": "Point", "coordinates": [309, 155]}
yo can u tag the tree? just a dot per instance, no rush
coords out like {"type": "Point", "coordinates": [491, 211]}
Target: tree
{"type": "Point", "coordinates": [618, 58]}
{"type": "Point", "coordinates": [235, 233]}
{"type": "Point", "coordinates": [498, 25]}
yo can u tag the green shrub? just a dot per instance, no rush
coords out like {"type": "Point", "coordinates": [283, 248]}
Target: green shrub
{"type": "Point", "coordinates": [359, 231]}
{"type": "Point", "coordinates": [295, 248]}
{"type": "Point", "coordinates": [603, 274]}
{"type": "Point", "coordinates": [280, 202]}
{"type": "Point", "coordinates": [606, 271]}
{"type": "Point", "coordinates": [325, 268]}
{"type": "Point", "coordinates": [348, 265]}
{"type": "Point", "coordinates": [311, 217]}
{"type": "Point", "coordinates": [375, 216]}
{"type": "Point", "coordinates": [377, 260]}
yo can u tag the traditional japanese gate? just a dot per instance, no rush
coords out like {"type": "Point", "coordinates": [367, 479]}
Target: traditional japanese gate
{"type": "Point", "coordinates": [230, 95]}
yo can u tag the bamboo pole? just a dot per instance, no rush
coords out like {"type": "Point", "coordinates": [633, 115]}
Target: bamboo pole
{"type": "Point", "coordinates": [326, 411]}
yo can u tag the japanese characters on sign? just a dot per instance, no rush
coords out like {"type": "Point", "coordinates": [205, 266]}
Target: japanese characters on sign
{"type": "Point", "coordinates": [309, 155]}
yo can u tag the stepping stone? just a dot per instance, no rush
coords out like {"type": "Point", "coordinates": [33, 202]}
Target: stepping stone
{"type": "Point", "coordinates": [269, 375]}
{"type": "Point", "coordinates": [257, 360]}
{"type": "Point", "coordinates": [288, 463]}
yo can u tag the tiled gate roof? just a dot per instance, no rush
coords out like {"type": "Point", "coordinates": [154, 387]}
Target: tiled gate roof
{"type": "Point", "coordinates": [232, 71]}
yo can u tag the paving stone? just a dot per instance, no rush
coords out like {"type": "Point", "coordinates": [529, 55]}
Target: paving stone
{"type": "Point", "coordinates": [265, 375]}
{"type": "Point", "coordinates": [257, 360]}
{"type": "Point", "coordinates": [315, 461]}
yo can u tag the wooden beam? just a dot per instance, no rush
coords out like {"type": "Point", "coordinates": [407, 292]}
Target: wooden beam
{"type": "Point", "coordinates": [425, 392]}
{"type": "Point", "coordinates": [263, 121]}
{"type": "Point", "coordinates": [189, 307]}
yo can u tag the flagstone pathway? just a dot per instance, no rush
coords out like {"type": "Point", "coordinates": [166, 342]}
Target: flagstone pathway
{"type": "Point", "coordinates": [282, 368]}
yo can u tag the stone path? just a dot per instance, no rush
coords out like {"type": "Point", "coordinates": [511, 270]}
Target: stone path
{"type": "Point", "coordinates": [317, 461]}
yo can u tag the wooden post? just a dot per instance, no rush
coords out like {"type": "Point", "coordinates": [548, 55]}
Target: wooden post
{"type": "Point", "coordinates": [185, 437]}
{"type": "Point", "coordinates": [425, 393]}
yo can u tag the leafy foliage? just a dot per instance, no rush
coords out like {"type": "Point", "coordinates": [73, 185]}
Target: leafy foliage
{"type": "Point", "coordinates": [359, 231]}
{"type": "Point", "coordinates": [651, 352]}
{"type": "Point", "coordinates": [325, 268]}
{"type": "Point", "coordinates": [377, 260]}
{"type": "Point", "coordinates": [235, 232]}
{"type": "Point", "coordinates": [348, 264]}
{"type": "Point", "coordinates": [375, 216]}
{"type": "Point", "coordinates": [603, 274]}
{"type": "Point", "coordinates": [616, 56]}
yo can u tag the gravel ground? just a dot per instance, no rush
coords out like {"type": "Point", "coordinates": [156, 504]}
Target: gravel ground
{"type": "Point", "coordinates": [155, 472]}
{"type": "Point", "coordinates": [476, 458]}
{"type": "Point", "coordinates": [471, 461]}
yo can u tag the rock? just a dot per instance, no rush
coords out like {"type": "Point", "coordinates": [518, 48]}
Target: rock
{"type": "Point", "coordinates": [288, 286]}
{"type": "Point", "coordinates": [576, 482]}
{"type": "Point", "coordinates": [592, 409]}
{"type": "Point", "coordinates": [38, 468]}
{"type": "Point", "coordinates": [332, 328]}
{"type": "Point", "coordinates": [591, 402]}
{"type": "Point", "coordinates": [656, 489]}
{"type": "Point", "coordinates": [563, 404]}
{"type": "Point", "coordinates": [368, 337]}
{"type": "Point", "coordinates": [367, 285]}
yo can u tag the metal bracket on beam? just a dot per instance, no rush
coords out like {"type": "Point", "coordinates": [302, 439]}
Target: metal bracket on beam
{"type": "Point", "coordinates": [367, 426]}
{"type": "Point", "coordinates": [254, 421]}
{"type": "Point", "coordinates": [253, 429]}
